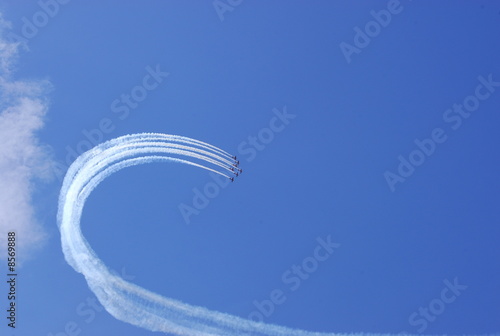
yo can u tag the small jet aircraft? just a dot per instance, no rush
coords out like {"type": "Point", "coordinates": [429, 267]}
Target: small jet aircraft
{"type": "Point", "coordinates": [232, 179]}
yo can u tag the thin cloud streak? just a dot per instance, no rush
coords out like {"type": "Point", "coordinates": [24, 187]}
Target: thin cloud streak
{"type": "Point", "coordinates": [24, 161]}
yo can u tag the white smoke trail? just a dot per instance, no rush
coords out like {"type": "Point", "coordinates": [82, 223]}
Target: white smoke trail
{"type": "Point", "coordinates": [193, 142]}
{"type": "Point", "coordinates": [124, 300]}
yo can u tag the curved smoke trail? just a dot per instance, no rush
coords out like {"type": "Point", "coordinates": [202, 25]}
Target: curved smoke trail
{"type": "Point", "coordinates": [124, 300]}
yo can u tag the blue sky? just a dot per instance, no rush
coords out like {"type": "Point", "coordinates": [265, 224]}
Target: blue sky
{"type": "Point", "coordinates": [222, 78]}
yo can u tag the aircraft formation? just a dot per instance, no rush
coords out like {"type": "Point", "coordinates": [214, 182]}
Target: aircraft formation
{"type": "Point", "coordinates": [235, 168]}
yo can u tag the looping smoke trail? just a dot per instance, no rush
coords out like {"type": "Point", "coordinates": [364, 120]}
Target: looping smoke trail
{"type": "Point", "coordinates": [124, 300]}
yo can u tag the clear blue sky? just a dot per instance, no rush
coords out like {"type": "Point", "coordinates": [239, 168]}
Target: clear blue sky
{"type": "Point", "coordinates": [321, 175]}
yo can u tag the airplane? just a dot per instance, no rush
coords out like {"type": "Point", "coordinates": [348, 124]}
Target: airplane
{"type": "Point", "coordinates": [234, 157]}
{"type": "Point", "coordinates": [232, 179]}
{"type": "Point", "coordinates": [232, 169]}
{"type": "Point", "coordinates": [236, 173]}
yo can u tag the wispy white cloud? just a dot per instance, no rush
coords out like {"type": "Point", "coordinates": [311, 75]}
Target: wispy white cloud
{"type": "Point", "coordinates": [24, 161]}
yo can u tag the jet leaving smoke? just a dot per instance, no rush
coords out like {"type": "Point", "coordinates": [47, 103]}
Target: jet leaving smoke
{"type": "Point", "coordinates": [127, 301]}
